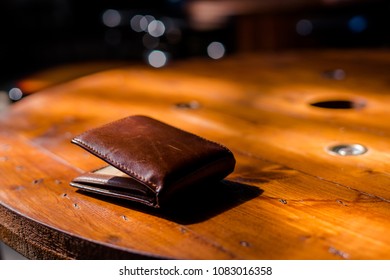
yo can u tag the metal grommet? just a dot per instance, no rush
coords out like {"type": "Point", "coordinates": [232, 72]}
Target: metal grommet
{"type": "Point", "coordinates": [192, 105]}
{"type": "Point", "coordinates": [347, 149]}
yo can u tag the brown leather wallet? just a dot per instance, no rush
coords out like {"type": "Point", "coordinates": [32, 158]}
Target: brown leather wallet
{"type": "Point", "coordinates": [149, 161]}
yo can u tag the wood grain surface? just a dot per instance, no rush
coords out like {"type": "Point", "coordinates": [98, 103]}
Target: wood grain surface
{"type": "Point", "coordinates": [288, 198]}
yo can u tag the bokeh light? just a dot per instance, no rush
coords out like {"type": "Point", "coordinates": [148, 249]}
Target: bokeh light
{"type": "Point", "coordinates": [111, 18]}
{"type": "Point", "coordinates": [15, 94]}
{"type": "Point", "coordinates": [157, 59]}
{"type": "Point", "coordinates": [304, 27]}
{"type": "Point", "coordinates": [135, 23]}
{"type": "Point", "coordinates": [150, 42]}
{"type": "Point", "coordinates": [216, 50]}
{"type": "Point", "coordinates": [140, 23]}
{"type": "Point", "coordinates": [156, 28]}
{"type": "Point", "coordinates": [357, 24]}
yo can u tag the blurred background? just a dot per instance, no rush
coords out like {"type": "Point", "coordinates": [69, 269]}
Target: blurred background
{"type": "Point", "coordinates": [39, 34]}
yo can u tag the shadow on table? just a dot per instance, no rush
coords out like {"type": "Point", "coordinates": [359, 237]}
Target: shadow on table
{"type": "Point", "coordinates": [197, 204]}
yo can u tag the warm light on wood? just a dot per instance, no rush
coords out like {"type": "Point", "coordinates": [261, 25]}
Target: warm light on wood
{"type": "Point", "coordinates": [289, 198]}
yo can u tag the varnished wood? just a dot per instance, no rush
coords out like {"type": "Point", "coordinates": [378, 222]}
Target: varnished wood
{"type": "Point", "coordinates": [287, 199]}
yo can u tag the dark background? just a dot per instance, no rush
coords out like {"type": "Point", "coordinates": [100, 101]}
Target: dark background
{"type": "Point", "coordinates": [37, 34]}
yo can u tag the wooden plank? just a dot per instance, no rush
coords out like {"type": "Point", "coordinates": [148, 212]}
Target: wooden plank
{"type": "Point", "coordinates": [281, 222]}
{"type": "Point", "coordinates": [287, 199]}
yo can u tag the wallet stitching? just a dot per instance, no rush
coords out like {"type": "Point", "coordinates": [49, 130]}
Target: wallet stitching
{"type": "Point", "coordinates": [207, 140]}
{"type": "Point", "coordinates": [137, 176]}
{"type": "Point", "coordinates": [200, 137]}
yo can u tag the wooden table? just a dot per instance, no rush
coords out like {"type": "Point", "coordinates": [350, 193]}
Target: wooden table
{"type": "Point", "coordinates": [288, 198]}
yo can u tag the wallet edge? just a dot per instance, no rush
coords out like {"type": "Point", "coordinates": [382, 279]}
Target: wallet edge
{"type": "Point", "coordinates": [116, 164]}
{"type": "Point", "coordinates": [106, 192]}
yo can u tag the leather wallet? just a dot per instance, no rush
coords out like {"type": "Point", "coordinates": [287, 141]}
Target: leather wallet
{"type": "Point", "coordinates": [149, 161]}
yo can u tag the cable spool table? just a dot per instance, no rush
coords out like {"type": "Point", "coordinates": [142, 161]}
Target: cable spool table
{"type": "Point", "coordinates": [309, 130]}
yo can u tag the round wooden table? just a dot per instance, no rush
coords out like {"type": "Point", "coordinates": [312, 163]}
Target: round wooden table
{"type": "Point", "coordinates": [309, 130]}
